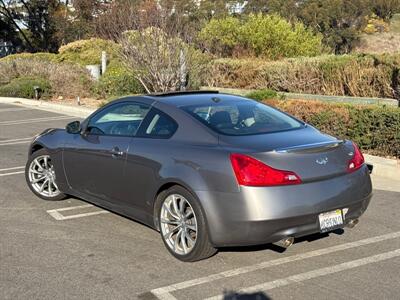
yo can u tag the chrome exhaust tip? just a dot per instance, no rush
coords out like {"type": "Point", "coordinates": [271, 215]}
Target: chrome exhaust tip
{"type": "Point", "coordinates": [352, 223]}
{"type": "Point", "coordinates": [285, 243]}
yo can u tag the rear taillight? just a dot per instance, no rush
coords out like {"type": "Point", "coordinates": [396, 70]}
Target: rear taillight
{"type": "Point", "coordinates": [251, 172]}
{"type": "Point", "coordinates": [357, 160]}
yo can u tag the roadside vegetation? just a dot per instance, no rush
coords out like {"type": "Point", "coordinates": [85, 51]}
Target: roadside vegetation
{"type": "Point", "coordinates": [340, 47]}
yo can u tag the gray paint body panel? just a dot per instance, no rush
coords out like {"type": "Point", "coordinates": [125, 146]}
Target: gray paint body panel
{"type": "Point", "coordinates": [198, 159]}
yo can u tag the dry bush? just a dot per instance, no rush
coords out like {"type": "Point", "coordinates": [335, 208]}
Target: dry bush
{"type": "Point", "coordinates": [159, 55]}
{"type": "Point", "coordinates": [234, 73]}
{"type": "Point", "coordinates": [347, 75]}
{"type": "Point", "coordinates": [67, 80]}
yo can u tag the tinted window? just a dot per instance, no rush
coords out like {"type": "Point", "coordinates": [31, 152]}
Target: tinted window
{"type": "Point", "coordinates": [242, 117]}
{"type": "Point", "coordinates": [158, 125]}
{"type": "Point", "coordinates": [118, 119]}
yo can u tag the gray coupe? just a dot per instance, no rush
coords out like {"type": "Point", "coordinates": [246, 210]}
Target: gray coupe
{"type": "Point", "coordinates": [205, 169]}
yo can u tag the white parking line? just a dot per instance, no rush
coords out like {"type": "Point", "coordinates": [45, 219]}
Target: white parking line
{"type": "Point", "coordinates": [12, 173]}
{"type": "Point", "coordinates": [16, 122]}
{"type": "Point", "coordinates": [16, 141]}
{"type": "Point", "coordinates": [165, 292]}
{"type": "Point", "coordinates": [317, 273]}
{"type": "Point", "coordinates": [13, 168]}
{"type": "Point", "coordinates": [55, 213]}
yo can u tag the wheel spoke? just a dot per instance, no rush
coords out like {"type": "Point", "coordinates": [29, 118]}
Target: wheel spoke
{"type": "Point", "coordinates": [177, 239]}
{"type": "Point", "coordinates": [35, 172]}
{"type": "Point", "coordinates": [191, 227]}
{"type": "Point", "coordinates": [55, 184]}
{"type": "Point", "coordinates": [183, 241]}
{"type": "Point", "coordinates": [189, 238]}
{"type": "Point", "coordinates": [40, 168]}
{"type": "Point", "coordinates": [49, 188]}
{"type": "Point", "coordinates": [170, 212]}
{"type": "Point", "coordinates": [169, 222]}
{"type": "Point", "coordinates": [182, 206]}
{"type": "Point", "coordinates": [43, 185]}
{"type": "Point", "coordinates": [45, 162]}
{"type": "Point", "coordinates": [189, 213]}
{"type": "Point", "coordinates": [169, 234]}
{"type": "Point", "coordinates": [175, 205]}
{"type": "Point", "coordinates": [38, 179]}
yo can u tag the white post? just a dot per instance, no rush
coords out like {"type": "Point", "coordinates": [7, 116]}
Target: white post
{"type": "Point", "coordinates": [183, 71]}
{"type": "Point", "coordinates": [103, 62]}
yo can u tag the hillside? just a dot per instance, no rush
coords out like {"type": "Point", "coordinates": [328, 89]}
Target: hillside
{"type": "Point", "coordinates": [382, 42]}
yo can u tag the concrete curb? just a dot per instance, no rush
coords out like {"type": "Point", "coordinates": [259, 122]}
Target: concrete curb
{"type": "Point", "coordinates": [383, 167]}
{"type": "Point", "coordinates": [75, 111]}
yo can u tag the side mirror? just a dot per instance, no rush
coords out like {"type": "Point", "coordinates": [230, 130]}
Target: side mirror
{"type": "Point", "coordinates": [73, 127]}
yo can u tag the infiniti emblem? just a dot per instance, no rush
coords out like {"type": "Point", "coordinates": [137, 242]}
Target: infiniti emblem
{"type": "Point", "coordinates": [322, 161]}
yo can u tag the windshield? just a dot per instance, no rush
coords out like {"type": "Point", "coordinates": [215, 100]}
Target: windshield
{"type": "Point", "coordinates": [242, 117]}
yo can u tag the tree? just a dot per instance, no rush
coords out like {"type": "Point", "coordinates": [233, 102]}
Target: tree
{"type": "Point", "coordinates": [385, 9]}
{"type": "Point", "coordinates": [222, 36]}
{"type": "Point", "coordinates": [10, 29]}
{"type": "Point", "coordinates": [262, 35]}
{"type": "Point", "coordinates": [340, 21]}
{"type": "Point", "coordinates": [157, 53]}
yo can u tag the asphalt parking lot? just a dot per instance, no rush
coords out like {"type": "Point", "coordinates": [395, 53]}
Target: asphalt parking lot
{"type": "Point", "coordinates": [72, 250]}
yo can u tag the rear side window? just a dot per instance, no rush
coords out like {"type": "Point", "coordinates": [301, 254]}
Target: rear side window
{"type": "Point", "coordinates": [158, 125]}
{"type": "Point", "coordinates": [242, 117]}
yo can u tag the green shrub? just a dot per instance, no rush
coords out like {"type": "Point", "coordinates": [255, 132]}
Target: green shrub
{"type": "Point", "coordinates": [263, 94]}
{"type": "Point", "coordinates": [269, 36]}
{"type": "Point", "coordinates": [375, 129]}
{"type": "Point", "coordinates": [24, 88]}
{"type": "Point", "coordinates": [117, 81]}
{"type": "Point", "coordinates": [88, 52]}
{"type": "Point", "coordinates": [221, 35]}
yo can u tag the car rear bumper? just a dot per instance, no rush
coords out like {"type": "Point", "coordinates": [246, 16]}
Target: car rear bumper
{"type": "Point", "coordinates": [259, 215]}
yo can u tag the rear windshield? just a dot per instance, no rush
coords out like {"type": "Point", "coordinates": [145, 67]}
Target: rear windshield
{"type": "Point", "coordinates": [242, 117]}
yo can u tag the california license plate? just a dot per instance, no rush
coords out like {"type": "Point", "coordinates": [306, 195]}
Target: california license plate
{"type": "Point", "coordinates": [330, 220]}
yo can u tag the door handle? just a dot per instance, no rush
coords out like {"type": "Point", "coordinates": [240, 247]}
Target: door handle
{"type": "Point", "coordinates": [115, 152]}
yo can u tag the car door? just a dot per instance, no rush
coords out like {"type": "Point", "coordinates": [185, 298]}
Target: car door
{"type": "Point", "coordinates": [146, 156]}
{"type": "Point", "coordinates": [94, 160]}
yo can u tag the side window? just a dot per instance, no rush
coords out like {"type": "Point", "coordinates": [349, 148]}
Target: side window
{"type": "Point", "coordinates": [122, 119]}
{"type": "Point", "coordinates": [158, 125]}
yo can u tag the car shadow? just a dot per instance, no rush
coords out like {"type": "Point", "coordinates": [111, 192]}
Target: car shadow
{"type": "Point", "coordinates": [245, 296]}
{"type": "Point", "coordinates": [275, 248]}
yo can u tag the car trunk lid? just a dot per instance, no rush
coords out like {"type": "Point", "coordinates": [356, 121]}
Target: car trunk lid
{"type": "Point", "coordinates": [307, 152]}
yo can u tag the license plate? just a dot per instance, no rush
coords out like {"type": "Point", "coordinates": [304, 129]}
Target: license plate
{"type": "Point", "coordinates": [330, 220]}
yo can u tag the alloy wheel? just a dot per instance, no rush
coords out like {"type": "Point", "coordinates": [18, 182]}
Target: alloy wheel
{"type": "Point", "coordinates": [178, 224]}
{"type": "Point", "coordinates": [42, 176]}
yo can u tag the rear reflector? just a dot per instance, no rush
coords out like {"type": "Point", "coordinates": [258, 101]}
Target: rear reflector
{"type": "Point", "coordinates": [252, 172]}
{"type": "Point", "coordinates": [357, 160]}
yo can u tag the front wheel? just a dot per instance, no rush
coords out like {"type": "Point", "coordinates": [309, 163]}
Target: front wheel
{"type": "Point", "coordinates": [40, 176]}
{"type": "Point", "coordinates": [183, 226]}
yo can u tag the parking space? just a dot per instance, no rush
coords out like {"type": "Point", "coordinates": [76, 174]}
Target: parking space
{"type": "Point", "coordinates": [73, 250]}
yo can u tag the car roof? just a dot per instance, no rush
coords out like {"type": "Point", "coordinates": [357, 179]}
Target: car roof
{"type": "Point", "coordinates": [193, 98]}
{"type": "Point", "coordinates": [178, 99]}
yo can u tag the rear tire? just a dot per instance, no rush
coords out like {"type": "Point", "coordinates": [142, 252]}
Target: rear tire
{"type": "Point", "coordinates": [183, 226]}
{"type": "Point", "coordinates": [41, 178]}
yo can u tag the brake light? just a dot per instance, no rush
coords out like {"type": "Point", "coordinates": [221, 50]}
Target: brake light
{"type": "Point", "coordinates": [251, 172]}
{"type": "Point", "coordinates": [357, 161]}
